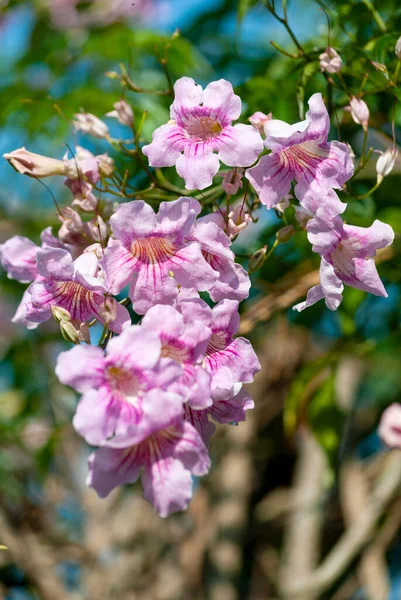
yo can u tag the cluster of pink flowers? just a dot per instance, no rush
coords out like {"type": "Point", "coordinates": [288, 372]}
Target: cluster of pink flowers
{"type": "Point", "coordinates": [151, 393]}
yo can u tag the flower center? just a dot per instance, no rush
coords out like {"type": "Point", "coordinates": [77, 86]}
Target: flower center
{"type": "Point", "coordinates": [305, 156]}
{"type": "Point", "coordinates": [217, 343]}
{"type": "Point", "coordinates": [342, 259]}
{"type": "Point", "coordinates": [76, 299]}
{"type": "Point", "coordinates": [152, 250]}
{"type": "Point", "coordinates": [202, 128]}
{"type": "Point", "coordinates": [176, 350]}
{"type": "Point", "coordinates": [123, 381]}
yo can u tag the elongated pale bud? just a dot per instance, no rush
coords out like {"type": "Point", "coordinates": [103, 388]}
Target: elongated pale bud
{"type": "Point", "coordinates": [385, 164]}
{"type": "Point", "coordinates": [105, 164]}
{"type": "Point", "coordinates": [88, 123]}
{"type": "Point", "coordinates": [390, 426]}
{"type": "Point", "coordinates": [359, 112]}
{"type": "Point", "coordinates": [35, 165]}
{"type": "Point", "coordinates": [285, 234]}
{"type": "Point", "coordinates": [122, 112]}
{"type": "Point", "coordinates": [69, 332]}
{"type": "Point", "coordinates": [398, 49]}
{"type": "Point", "coordinates": [60, 314]}
{"type": "Point", "coordinates": [257, 259]}
{"type": "Point", "coordinates": [330, 61]}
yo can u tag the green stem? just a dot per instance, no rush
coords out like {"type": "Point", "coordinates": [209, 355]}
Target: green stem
{"type": "Point", "coordinates": [373, 189]}
{"type": "Point", "coordinates": [379, 21]}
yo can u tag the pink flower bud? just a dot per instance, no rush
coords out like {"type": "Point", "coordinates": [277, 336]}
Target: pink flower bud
{"type": "Point", "coordinates": [232, 181]}
{"type": "Point", "coordinates": [390, 426]}
{"type": "Point", "coordinates": [35, 165]}
{"type": "Point", "coordinates": [359, 112]}
{"type": "Point", "coordinates": [238, 220]}
{"type": "Point", "coordinates": [122, 112]}
{"type": "Point", "coordinates": [330, 61]}
{"type": "Point", "coordinates": [385, 164]}
{"type": "Point", "coordinates": [259, 119]}
{"type": "Point", "coordinates": [88, 123]}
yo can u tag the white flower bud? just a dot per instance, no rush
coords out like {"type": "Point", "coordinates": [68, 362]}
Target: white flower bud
{"type": "Point", "coordinates": [88, 123]}
{"type": "Point", "coordinates": [385, 164]}
{"type": "Point", "coordinates": [398, 49]}
{"type": "Point", "coordinates": [359, 112]}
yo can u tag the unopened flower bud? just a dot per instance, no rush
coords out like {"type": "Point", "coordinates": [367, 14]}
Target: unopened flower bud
{"type": "Point", "coordinates": [359, 112]}
{"type": "Point", "coordinates": [285, 234]}
{"type": "Point", "coordinates": [232, 180]}
{"type": "Point", "coordinates": [34, 165]}
{"type": "Point", "coordinates": [105, 164]}
{"type": "Point", "coordinates": [390, 426]}
{"type": "Point", "coordinates": [238, 220]}
{"type": "Point", "coordinates": [60, 314]}
{"type": "Point", "coordinates": [259, 119]}
{"type": "Point", "coordinates": [398, 49]}
{"type": "Point", "coordinates": [379, 67]}
{"type": "Point", "coordinates": [69, 332]}
{"type": "Point", "coordinates": [84, 334]}
{"type": "Point", "coordinates": [257, 259]}
{"type": "Point", "coordinates": [88, 123]}
{"type": "Point", "coordinates": [283, 205]}
{"type": "Point", "coordinates": [122, 112]}
{"type": "Point", "coordinates": [112, 75]}
{"type": "Point", "coordinates": [303, 215]}
{"type": "Point", "coordinates": [385, 164]}
{"type": "Point", "coordinates": [330, 61]}
{"type": "Point", "coordinates": [109, 312]}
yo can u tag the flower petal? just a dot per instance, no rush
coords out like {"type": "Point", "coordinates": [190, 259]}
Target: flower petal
{"type": "Point", "coordinates": [220, 98]}
{"type": "Point", "coordinates": [167, 144]}
{"type": "Point", "coordinates": [82, 367]}
{"type": "Point", "coordinates": [187, 94]}
{"type": "Point", "coordinates": [271, 179]}
{"type": "Point", "coordinates": [197, 166]}
{"type": "Point", "coordinates": [110, 467]}
{"type": "Point", "coordinates": [239, 146]}
{"type": "Point", "coordinates": [167, 484]}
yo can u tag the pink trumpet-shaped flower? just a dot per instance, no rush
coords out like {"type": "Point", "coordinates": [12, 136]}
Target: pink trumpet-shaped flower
{"type": "Point", "coordinates": [73, 285]}
{"type": "Point", "coordinates": [301, 152]}
{"type": "Point", "coordinates": [233, 282]}
{"type": "Point", "coordinates": [186, 343]}
{"type": "Point", "coordinates": [347, 258]}
{"type": "Point", "coordinates": [116, 385]}
{"type": "Point", "coordinates": [230, 361]}
{"type": "Point", "coordinates": [201, 134]}
{"type": "Point", "coordinates": [153, 253]}
{"type": "Point", "coordinates": [168, 457]}
{"type": "Point", "coordinates": [390, 426]}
